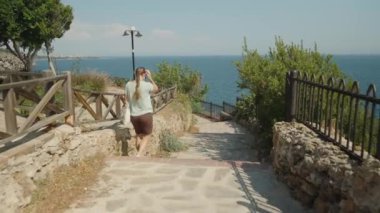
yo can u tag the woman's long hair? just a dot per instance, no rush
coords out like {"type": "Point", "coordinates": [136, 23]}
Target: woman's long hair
{"type": "Point", "coordinates": [139, 71]}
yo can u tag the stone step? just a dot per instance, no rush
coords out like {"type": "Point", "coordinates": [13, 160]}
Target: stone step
{"type": "Point", "coordinates": [192, 162]}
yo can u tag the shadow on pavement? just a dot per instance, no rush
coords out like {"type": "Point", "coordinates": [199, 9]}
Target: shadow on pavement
{"type": "Point", "coordinates": [263, 190]}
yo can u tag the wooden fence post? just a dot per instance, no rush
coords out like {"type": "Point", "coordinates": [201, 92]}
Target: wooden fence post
{"type": "Point", "coordinates": [118, 106]}
{"type": "Point", "coordinates": [69, 100]}
{"type": "Point", "coordinates": [9, 111]}
{"type": "Point", "coordinates": [99, 107]}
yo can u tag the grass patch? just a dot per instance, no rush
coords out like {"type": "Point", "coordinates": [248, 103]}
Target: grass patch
{"type": "Point", "coordinates": [119, 81]}
{"type": "Point", "coordinates": [170, 143]}
{"type": "Point", "coordinates": [93, 81]}
{"type": "Point", "coordinates": [65, 185]}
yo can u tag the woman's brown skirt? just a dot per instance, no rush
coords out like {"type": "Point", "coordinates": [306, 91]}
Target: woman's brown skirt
{"type": "Point", "coordinates": [143, 124]}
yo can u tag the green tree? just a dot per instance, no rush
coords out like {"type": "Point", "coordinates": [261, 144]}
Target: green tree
{"type": "Point", "coordinates": [188, 81]}
{"type": "Point", "coordinates": [264, 77]}
{"type": "Point", "coordinates": [27, 25]}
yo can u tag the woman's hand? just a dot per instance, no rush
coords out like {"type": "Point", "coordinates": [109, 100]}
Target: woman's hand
{"type": "Point", "coordinates": [148, 74]}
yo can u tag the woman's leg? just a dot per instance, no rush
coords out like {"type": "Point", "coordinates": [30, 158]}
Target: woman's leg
{"type": "Point", "coordinates": [138, 141]}
{"type": "Point", "coordinates": [143, 142]}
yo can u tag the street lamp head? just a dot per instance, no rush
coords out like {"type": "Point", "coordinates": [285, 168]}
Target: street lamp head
{"type": "Point", "coordinates": [138, 34]}
{"type": "Point", "coordinates": [125, 33]}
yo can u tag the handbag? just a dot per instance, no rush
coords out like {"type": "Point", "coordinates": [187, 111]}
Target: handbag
{"type": "Point", "coordinates": [126, 115]}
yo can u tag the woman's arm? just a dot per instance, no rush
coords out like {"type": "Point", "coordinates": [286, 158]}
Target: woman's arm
{"type": "Point", "coordinates": [149, 76]}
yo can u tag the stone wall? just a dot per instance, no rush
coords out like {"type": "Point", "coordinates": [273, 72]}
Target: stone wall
{"type": "Point", "coordinates": [321, 175]}
{"type": "Point", "coordinates": [25, 164]}
{"type": "Point", "coordinates": [8, 62]}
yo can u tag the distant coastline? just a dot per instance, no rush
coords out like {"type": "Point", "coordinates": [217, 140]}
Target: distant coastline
{"type": "Point", "coordinates": [67, 57]}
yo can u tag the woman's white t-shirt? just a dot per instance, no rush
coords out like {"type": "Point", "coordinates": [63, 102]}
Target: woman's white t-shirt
{"type": "Point", "coordinates": [144, 104]}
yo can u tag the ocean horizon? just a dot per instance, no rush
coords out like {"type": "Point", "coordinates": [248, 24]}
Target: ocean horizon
{"type": "Point", "coordinates": [218, 71]}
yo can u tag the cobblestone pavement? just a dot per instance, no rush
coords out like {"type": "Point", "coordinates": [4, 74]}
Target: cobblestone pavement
{"type": "Point", "coordinates": [217, 174]}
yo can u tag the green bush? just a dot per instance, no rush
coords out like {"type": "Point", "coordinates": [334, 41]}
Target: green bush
{"type": "Point", "coordinates": [119, 81]}
{"type": "Point", "coordinates": [188, 81]}
{"type": "Point", "coordinates": [92, 81]}
{"type": "Point", "coordinates": [170, 143]}
{"type": "Point", "coordinates": [264, 77]}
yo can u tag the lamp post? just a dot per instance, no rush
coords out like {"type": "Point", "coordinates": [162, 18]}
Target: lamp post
{"type": "Point", "coordinates": [133, 33]}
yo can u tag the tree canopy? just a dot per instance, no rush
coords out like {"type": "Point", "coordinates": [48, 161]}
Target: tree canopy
{"type": "Point", "coordinates": [27, 25]}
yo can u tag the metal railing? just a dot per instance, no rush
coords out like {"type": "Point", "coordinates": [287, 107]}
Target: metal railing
{"type": "Point", "coordinates": [214, 111]}
{"type": "Point", "coordinates": [228, 108]}
{"type": "Point", "coordinates": [337, 112]}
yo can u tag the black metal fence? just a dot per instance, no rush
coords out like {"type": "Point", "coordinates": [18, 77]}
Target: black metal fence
{"type": "Point", "coordinates": [214, 111]}
{"type": "Point", "coordinates": [228, 108]}
{"type": "Point", "coordinates": [337, 112]}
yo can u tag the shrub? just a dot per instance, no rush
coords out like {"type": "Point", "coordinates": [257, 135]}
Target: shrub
{"type": "Point", "coordinates": [264, 77]}
{"type": "Point", "coordinates": [119, 81]}
{"type": "Point", "coordinates": [93, 81]}
{"type": "Point", "coordinates": [170, 143]}
{"type": "Point", "coordinates": [188, 81]}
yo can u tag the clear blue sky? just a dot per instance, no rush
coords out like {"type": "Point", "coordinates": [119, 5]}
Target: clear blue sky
{"type": "Point", "coordinates": [217, 27]}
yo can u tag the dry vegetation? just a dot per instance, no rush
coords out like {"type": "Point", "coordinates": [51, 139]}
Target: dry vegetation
{"type": "Point", "coordinates": [67, 184]}
{"type": "Point", "coordinates": [93, 81]}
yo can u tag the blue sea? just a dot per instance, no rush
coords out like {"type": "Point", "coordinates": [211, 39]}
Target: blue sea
{"type": "Point", "coordinates": [218, 72]}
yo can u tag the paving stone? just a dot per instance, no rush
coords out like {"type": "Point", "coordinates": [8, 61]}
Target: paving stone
{"type": "Point", "coordinates": [139, 210]}
{"type": "Point", "coordinates": [145, 200]}
{"type": "Point", "coordinates": [122, 164]}
{"type": "Point", "coordinates": [127, 172]}
{"type": "Point", "coordinates": [106, 178]}
{"type": "Point", "coordinates": [221, 191]}
{"type": "Point", "coordinates": [143, 166]}
{"type": "Point", "coordinates": [183, 206]}
{"type": "Point", "coordinates": [132, 190]}
{"type": "Point", "coordinates": [220, 174]}
{"type": "Point", "coordinates": [152, 179]}
{"type": "Point", "coordinates": [85, 204]}
{"type": "Point", "coordinates": [195, 172]}
{"type": "Point", "coordinates": [167, 170]}
{"type": "Point", "coordinates": [186, 197]}
{"type": "Point", "coordinates": [188, 185]}
{"type": "Point", "coordinates": [236, 207]}
{"type": "Point", "coordinates": [161, 189]}
{"type": "Point", "coordinates": [113, 205]}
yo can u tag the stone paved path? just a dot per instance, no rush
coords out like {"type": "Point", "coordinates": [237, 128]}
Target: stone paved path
{"type": "Point", "coordinates": [217, 174]}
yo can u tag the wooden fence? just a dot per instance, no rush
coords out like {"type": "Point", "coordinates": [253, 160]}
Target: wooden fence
{"type": "Point", "coordinates": [50, 99]}
{"type": "Point", "coordinates": [41, 111]}
{"type": "Point", "coordinates": [163, 98]}
{"type": "Point", "coordinates": [94, 102]}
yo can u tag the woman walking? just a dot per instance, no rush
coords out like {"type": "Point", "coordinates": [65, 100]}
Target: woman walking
{"type": "Point", "coordinates": [138, 94]}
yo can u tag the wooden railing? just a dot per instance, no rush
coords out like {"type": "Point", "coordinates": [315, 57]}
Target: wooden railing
{"type": "Point", "coordinates": [42, 111]}
{"type": "Point", "coordinates": [101, 106]}
{"type": "Point", "coordinates": [163, 98]}
{"type": "Point", "coordinates": [39, 102]}
{"type": "Point", "coordinates": [94, 102]}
